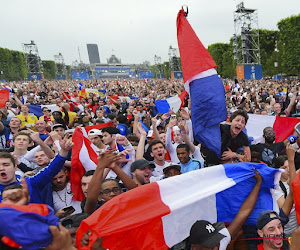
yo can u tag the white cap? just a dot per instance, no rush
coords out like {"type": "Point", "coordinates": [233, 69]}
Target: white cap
{"type": "Point", "coordinates": [150, 133]}
{"type": "Point", "coordinates": [95, 132]}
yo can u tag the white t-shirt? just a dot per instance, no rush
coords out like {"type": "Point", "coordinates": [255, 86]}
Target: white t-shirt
{"type": "Point", "coordinates": [158, 173]}
{"type": "Point", "coordinates": [63, 199]}
{"type": "Point", "coordinates": [225, 241]}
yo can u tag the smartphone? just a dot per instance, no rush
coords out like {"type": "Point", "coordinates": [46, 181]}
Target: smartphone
{"type": "Point", "coordinates": [297, 129]}
{"type": "Point", "coordinates": [69, 208]}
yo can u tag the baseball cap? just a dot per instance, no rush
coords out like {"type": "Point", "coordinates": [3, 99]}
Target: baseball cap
{"type": "Point", "coordinates": [58, 125]}
{"type": "Point", "coordinates": [141, 164]}
{"type": "Point", "coordinates": [95, 132]}
{"type": "Point", "coordinates": [265, 217]}
{"type": "Point", "coordinates": [204, 233]}
{"type": "Point", "coordinates": [74, 220]}
{"type": "Point", "coordinates": [171, 166]}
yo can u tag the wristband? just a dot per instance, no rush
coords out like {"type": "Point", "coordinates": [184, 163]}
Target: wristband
{"type": "Point", "coordinates": [292, 139]}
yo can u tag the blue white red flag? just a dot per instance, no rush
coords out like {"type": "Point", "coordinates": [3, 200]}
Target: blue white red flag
{"type": "Point", "coordinates": [205, 88]}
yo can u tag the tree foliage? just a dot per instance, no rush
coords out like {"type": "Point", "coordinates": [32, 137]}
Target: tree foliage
{"type": "Point", "coordinates": [289, 44]}
{"type": "Point", "coordinates": [50, 69]}
{"type": "Point", "coordinates": [12, 64]}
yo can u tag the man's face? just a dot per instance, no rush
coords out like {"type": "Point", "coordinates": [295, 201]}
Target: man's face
{"type": "Point", "coordinates": [41, 158]}
{"type": "Point", "coordinates": [40, 126]}
{"type": "Point", "coordinates": [143, 175]}
{"type": "Point", "coordinates": [107, 138]}
{"type": "Point", "coordinates": [24, 109]}
{"type": "Point", "coordinates": [269, 135]}
{"type": "Point", "coordinates": [85, 180]}
{"type": "Point", "coordinates": [114, 121]}
{"type": "Point", "coordinates": [286, 169]}
{"type": "Point", "coordinates": [15, 123]}
{"type": "Point", "coordinates": [60, 131]}
{"type": "Point", "coordinates": [21, 142]}
{"type": "Point", "coordinates": [95, 139]}
{"type": "Point", "coordinates": [272, 233]}
{"type": "Point", "coordinates": [158, 152]}
{"type": "Point", "coordinates": [59, 182]}
{"type": "Point", "coordinates": [7, 171]}
{"type": "Point", "coordinates": [183, 155]}
{"type": "Point", "coordinates": [277, 108]}
{"type": "Point", "coordinates": [162, 137]}
{"type": "Point", "coordinates": [6, 199]}
{"type": "Point", "coordinates": [177, 137]}
{"type": "Point", "coordinates": [237, 125]}
{"type": "Point", "coordinates": [110, 186]}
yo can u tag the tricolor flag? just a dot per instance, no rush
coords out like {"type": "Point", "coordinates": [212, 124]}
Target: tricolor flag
{"type": "Point", "coordinates": [173, 103]}
{"type": "Point", "coordinates": [28, 226]}
{"type": "Point", "coordinates": [84, 157]}
{"type": "Point", "coordinates": [37, 109]}
{"type": "Point", "coordinates": [205, 88]}
{"type": "Point", "coordinates": [160, 214]}
{"type": "Point", "coordinates": [283, 127]}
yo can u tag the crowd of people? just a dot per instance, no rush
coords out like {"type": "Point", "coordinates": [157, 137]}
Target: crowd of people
{"type": "Point", "coordinates": [138, 146]}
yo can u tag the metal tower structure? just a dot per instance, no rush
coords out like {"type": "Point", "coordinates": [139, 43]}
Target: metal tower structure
{"type": "Point", "coordinates": [174, 59]}
{"type": "Point", "coordinates": [32, 58]}
{"type": "Point", "coordinates": [158, 65]}
{"type": "Point", "coordinates": [246, 38]}
{"type": "Point", "coordinates": [60, 64]}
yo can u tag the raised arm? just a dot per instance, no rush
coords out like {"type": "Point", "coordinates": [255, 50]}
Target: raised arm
{"type": "Point", "coordinates": [246, 208]}
{"type": "Point", "coordinates": [289, 200]}
{"type": "Point", "coordinates": [105, 160]}
{"type": "Point", "coordinates": [141, 146]}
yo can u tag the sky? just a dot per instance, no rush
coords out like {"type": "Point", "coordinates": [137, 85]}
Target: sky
{"type": "Point", "coordinates": [135, 31]}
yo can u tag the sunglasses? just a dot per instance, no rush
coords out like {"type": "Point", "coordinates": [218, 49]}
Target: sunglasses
{"type": "Point", "coordinates": [115, 190]}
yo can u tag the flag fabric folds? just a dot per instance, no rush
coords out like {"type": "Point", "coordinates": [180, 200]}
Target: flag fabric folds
{"type": "Point", "coordinates": [37, 109]}
{"type": "Point", "coordinates": [173, 103]}
{"type": "Point", "coordinates": [84, 157]}
{"type": "Point", "coordinates": [27, 225]}
{"type": "Point", "coordinates": [205, 88]}
{"type": "Point", "coordinates": [4, 97]}
{"type": "Point", "coordinates": [159, 215]}
{"type": "Point", "coordinates": [283, 127]}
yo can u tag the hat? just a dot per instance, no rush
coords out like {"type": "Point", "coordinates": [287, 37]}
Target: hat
{"type": "Point", "coordinates": [141, 164]}
{"type": "Point", "coordinates": [204, 233]}
{"type": "Point", "coordinates": [265, 217]}
{"type": "Point", "coordinates": [57, 111]}
{"type": "Point", "coordinates": [150, 134]}
{"type": "Point", "coordinates": [95, 132]}
{"type": "Point", "coordinates": [171, 166]}
{"type": "Point", "coordinates": [74, 220]}
{"type": "Point", "coordinates": [58, 125]}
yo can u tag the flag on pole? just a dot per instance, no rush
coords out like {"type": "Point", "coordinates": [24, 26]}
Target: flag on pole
{"type": "Point", "coordinates": [205, 88]}
{"type": "Point", "coordinates": [159, 215]}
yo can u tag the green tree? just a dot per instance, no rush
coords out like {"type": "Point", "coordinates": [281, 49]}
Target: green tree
{"type": "Point", "coordinates": [289, 45]}
{"type": "Point", "coordinates": [267, 44]}
{"type": "Point", "coordinates": [50, 69]}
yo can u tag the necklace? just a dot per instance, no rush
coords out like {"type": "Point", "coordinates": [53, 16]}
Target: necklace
{"type": "Point", "coordinates": [65, 200]}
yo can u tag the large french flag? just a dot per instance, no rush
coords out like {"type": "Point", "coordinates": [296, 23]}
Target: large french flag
{"type": "Point", "coordinates": [205, 88]}
{"type": "Point", "coordinates": [173, 103]}
{"type": "Point", "coordinates": [27, 226]}
{"type": "Point", "coordinates": [84, 157]}
{"type": "Point", "coordinates": [283, 127]}
{"type": "Point", "coordinates": [159, 215]}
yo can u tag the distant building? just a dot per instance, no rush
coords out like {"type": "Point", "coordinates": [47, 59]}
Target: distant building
{"type": "Point", "coordinates": [93, 53]}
